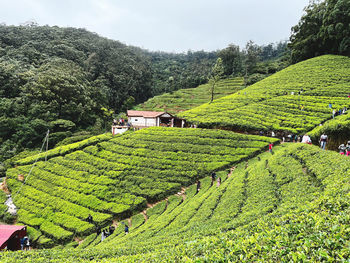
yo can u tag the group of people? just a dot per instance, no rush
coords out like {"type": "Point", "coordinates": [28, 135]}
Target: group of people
{"type": "Point", "coordinates": [120, 122]}
{"type": "Point", "coordinates": [105, 232]}
{"type": "Point", "coordinates": [213, 179]}
{"type": "Point", "coordinates": [344, 149]}
{"type": "Point", "coordinates": [337, 112]}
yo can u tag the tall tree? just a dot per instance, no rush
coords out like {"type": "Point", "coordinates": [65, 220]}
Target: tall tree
{"type": "Point", "coordinates": [252, 57]}
{"type": "Point", "coordinates": [231, 60]}
{"type": "Point", "coordinates": [216, 74]}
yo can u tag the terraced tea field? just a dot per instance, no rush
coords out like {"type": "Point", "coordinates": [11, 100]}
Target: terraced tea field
{"type": "Point", "coordinates": [185, 99]}
{"type": "Point", "coordinates": [117, 176]}
{"type": "Point", "coordinates": [292, 205]}
{"type": "Point", "coordinates": [295, 99]}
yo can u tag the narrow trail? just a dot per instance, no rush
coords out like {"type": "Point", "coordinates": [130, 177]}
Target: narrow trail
{"type": "Point", "coordinates": [78, 240]}
{"type": "Point", "coordinates": [182, 193]}
{"type": "Point", "coordinates": [231, 171]}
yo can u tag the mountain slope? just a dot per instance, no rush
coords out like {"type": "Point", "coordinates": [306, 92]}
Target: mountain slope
{"type": "Point", "coordinates": [295, 99]}
{"type": "Point", "coordinates": [185, 99]}
{"type": "Point", "coordinates": [289, 206]}
{"type": "Point", "coordinates": [113, 178]}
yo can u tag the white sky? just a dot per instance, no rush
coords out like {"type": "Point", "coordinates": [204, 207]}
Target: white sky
{"type": "Point", "coordinates": [165, 25]}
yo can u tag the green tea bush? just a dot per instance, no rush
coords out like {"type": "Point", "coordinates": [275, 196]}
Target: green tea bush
{"type": "Point", "coordinates": [293, 100]}
{"type": "Point", "coordinates": [114, 177]}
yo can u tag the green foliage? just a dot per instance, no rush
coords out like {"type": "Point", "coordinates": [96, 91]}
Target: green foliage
{"type": "Point", "coordinates": [76, 137]}
{"type": "Point", "coordinates": [323, 29]}
{"type": "Point", "coordinates": [59, 78]}
{"type": "Point", "coordinates": [269, 104]}
{"type": "Point", "coordinates": [216, 73]}
{"type": "Point", "coordinates": [172, 72]}
{"type": "Point", "coordinates": [337, 130]}
{"type": "Point", "coordinates": [185, 99]}
{"type": "Point", "coordinates": [294, 209]}
{"type": "Point", "coordinates": [114, 176]}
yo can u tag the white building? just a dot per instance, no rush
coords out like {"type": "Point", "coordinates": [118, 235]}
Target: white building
{"type": "Point", "coordinates": [142, 119]}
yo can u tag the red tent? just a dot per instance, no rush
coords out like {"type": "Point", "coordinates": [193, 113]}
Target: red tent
{"type": "Point", "coordinates": [10, 236]}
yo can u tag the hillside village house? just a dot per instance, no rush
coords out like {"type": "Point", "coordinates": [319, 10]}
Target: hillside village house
{"type": "Point", "coordinates": [143, 119]}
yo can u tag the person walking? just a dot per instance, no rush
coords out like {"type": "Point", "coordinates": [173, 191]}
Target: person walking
{"type": "Point", "coordinates": [342, 149]}
{"type": "Point", "coordinates": [213, 176]}
{"type": "Point", "coordinates": [348, 148]}
{"type": "Point", "coordinates": [89, 219]}
{"type": "Point", "coordinates": [22, 243]}
{"type": "Point", "coordinates": [126, 229]}
{"type": "Point", "coordinates": [270, 147]}
{"type": "Point", "coordinates": [103, 235]}
{"type": "Point", "coordinates": [218, 183]}
{"type": "Point", "coordinates": [306, 139]}
{"type": "Point", "coordinates": [323, 141]}
{"type": "Point", "coordinates": [198, 186]}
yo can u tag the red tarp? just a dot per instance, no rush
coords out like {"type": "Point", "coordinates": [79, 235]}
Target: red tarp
{"type": "Point", "coordinates": [10, 236]}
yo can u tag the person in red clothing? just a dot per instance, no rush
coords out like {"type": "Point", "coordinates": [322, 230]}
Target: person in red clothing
{"type": "Point", "coordinates": [270, 147]}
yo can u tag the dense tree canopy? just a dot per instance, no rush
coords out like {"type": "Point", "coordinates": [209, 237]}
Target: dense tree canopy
{"type": "Point", "coordinates": [323, 29]}
{"type": "Point", "coordinates": [51, 73]}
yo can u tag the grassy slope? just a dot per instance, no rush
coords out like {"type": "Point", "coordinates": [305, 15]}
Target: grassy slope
{"type": "Point", "coordinates": [113, 177]}
{"type": "Point", "coordinates": [289, 206]}
{"type": "Point", "coordinates": [185, 99]}
{"type": "Point", "coordinates": [269, 105]}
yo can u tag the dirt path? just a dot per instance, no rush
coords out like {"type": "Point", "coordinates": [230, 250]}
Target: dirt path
{"type": "Point", "coordinates": [231, 171]}
{"type": "Point", "coordinates": [182, 193]}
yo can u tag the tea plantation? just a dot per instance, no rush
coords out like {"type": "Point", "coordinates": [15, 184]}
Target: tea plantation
{"type": "Point", "coordinates": [295, 99]}
{"type": "Point", "coordinates": [185, 99]}
{"type": "Point", "coordinates": [114, 177]}
{"type": "Point", "coordinates": [289, 206]}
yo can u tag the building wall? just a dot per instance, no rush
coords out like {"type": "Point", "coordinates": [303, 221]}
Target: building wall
{"type": "Point", "coordinates": [150, 122]}
{"type": "Point", "coordinates": [144, 122]}
{"type": "Point", "coordinates": [137, 121]}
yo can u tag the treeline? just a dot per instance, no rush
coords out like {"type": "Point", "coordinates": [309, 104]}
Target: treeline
{"type": "Point", "coordinates": [59, 79]}
{"type": "Point", "coordinates": [323, 29]}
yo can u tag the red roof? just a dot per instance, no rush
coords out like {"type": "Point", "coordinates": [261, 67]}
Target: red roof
{"type": "Point", "coordinates": [145, 114]}
{"type": "Point", "coordinates": [7, 231]}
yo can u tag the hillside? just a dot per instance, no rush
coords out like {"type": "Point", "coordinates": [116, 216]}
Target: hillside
{"type": "Point", "coordinates": [61, 78]}
{"type": "Point", "coordinates": [185, 99]}
{"type": "Point", "coordinates": [289, 206]}
{"type": "Point", "coordinates": [295, 99]}
{"type": "Point", "coordinates": [114, 177]}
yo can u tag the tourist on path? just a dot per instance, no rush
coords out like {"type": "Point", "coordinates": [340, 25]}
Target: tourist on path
{"type": "Point", "coordinates": [270, 147]}
{"type": "Point", "coordinates": [213, 176]}
{"type": "Point", "coordinates": [323, 141]}
{"type": "Point", "coordinates": [89, 219]}
{"type": "Point", "coordinates": [306, 139]}
{"type": "Point", "coordinates": [198, 186]}
{"type": "Point", "coordinates": [103, 235]}
{"type": "Point", "coordinates": [342, 149]}
{"type": "Point", "coordinates": [218, 183]}
{"type": "Point", "coordinates": [348, 148]}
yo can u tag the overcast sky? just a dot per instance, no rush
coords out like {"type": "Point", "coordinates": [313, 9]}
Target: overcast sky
{"type": "Point", "coordinates": [165, 25]}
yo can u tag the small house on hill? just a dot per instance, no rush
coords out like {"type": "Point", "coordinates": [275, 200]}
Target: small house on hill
{"type": "Point", "coordinates": [10, 236]}
{"type": "Point", "coordinates": [143, 119]}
